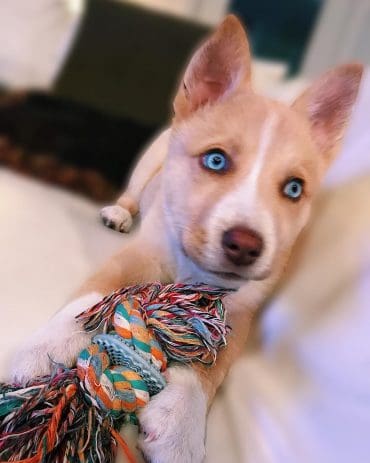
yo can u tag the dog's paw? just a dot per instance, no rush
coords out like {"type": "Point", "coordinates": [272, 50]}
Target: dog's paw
{"type": "Point", "coordinates": [60, 341]}
{"type": "Point", "coordinates": [117, 218]}
{"type": "Point", "coordinates": [39, 357]}
{"type": "Point", "coordinates": [173, 423]}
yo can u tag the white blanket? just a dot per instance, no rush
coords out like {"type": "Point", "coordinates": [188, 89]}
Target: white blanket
{"type": "Point", "coordinates": [301, 392]}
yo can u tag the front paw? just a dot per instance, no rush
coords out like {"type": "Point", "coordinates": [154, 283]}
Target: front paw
{"type": "Point", "coordinates": [60, 341]}
{"type": "Point", "coordinates": [117, 218]}
{"type": "Point", "coordinates": [173, 423]}
{"type": "Point", "coordinates": [43, 352]}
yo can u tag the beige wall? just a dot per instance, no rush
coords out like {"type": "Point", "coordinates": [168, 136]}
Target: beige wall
{"type": "Point", "coordinates": [342, 34]}
{"type": "Point", "coordinates": [206, 11]}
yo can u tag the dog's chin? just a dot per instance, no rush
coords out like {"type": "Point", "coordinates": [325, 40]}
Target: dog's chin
{"type": "Point", "coordinates": [219, 280]}
{"type": "Point", "coordinates": [202, 272]}
{"type": "Point", "coordinates": [236, 280]}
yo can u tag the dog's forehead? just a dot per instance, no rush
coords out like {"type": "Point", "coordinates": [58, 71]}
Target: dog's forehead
{"type": "Point", "coordinates": [238, 123]}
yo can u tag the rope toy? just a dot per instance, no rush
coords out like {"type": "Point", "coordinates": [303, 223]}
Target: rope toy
{"type": "Point", "coordinates": [74, 415]}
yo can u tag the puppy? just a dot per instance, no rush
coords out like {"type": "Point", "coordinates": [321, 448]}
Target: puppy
{"type": "Point", "coordinates": [223, 195]}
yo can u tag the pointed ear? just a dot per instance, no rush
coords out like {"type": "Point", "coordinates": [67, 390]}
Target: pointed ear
{"type": "Point", "coordinates": [218, 67]}
{"type": "Point", "coordinates": [328, 104]}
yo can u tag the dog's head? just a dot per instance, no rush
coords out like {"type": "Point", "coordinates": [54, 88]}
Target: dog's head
{"type": "Point", "coordinates": [242, 169]}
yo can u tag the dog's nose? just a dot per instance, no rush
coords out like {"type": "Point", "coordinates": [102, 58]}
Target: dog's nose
{"type": "Point", "coordinates": [241, 245]}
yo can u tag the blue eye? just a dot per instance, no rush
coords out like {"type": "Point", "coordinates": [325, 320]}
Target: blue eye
{"type": "Point", "coordinates": [293, 188]}
{"type": "Point", "coordinates": [215, 160]}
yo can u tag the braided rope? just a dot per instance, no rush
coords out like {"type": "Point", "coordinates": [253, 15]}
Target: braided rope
{"type": "Point", "coordinates": [74, 415]}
